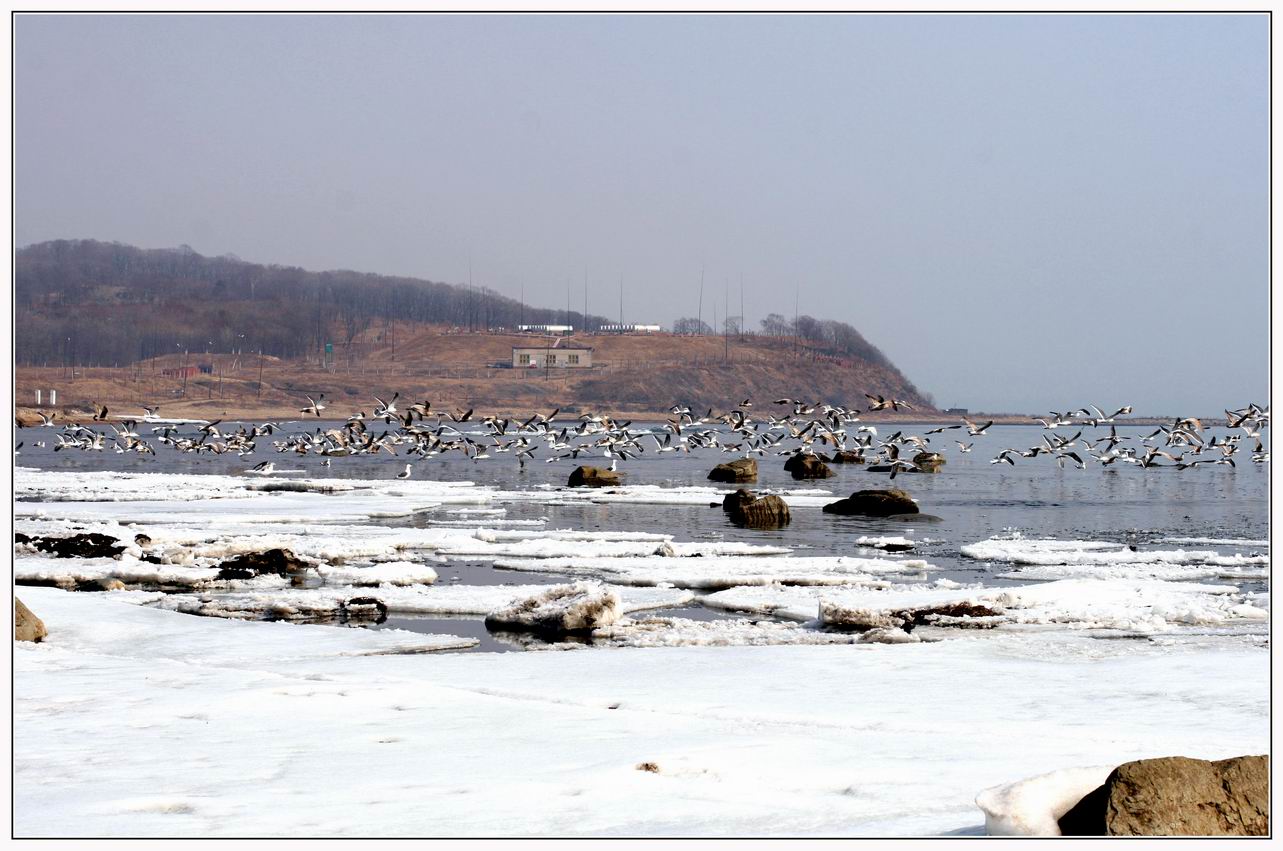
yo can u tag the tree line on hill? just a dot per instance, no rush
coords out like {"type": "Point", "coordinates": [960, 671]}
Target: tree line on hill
{"type": "Point", "coordinates": [99, 303]}
{"type": "Point", "coordinates": [836, 338]}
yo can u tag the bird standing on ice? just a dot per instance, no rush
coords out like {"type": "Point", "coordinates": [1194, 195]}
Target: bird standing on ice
{"type": "Point", "coordinates": [404, 474]}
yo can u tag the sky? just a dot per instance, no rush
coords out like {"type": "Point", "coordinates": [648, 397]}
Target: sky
{"type": "Point", "coordinates": [1025, 213]}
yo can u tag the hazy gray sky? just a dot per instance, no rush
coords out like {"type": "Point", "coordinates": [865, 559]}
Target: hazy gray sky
{"type": "Point", "coordinates": [1022, 212]}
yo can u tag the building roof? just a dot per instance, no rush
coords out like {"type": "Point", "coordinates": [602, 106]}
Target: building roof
{"type": "Point", "coordinates": [551, 348]}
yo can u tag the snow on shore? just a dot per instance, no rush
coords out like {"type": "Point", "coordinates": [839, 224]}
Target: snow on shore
{"type": "Point", "coordinates": [136, 721]}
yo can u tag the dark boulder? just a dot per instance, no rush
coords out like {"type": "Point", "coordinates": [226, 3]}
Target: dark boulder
{"type": "Point", "coordinates": [277, 562]}
{"type": "Point", "coordinates": [86, 545]}
{"type": "Point", "coordinates": [768, 512]}
{"type": "Point", "coordinates": [26, 626]}
{"type": "Point", "coordinates": [593, 477]}
{"type": "Point", "coordinates": [740, 470]}
{"type": "Point", "coordinates": [1177, 796]}
{"type": "Point", "coordinates": [804, 466]}
{"type": "Point", "coordinates": [734, 501]}
{"type": "Point", "coordinates": [874, 503]}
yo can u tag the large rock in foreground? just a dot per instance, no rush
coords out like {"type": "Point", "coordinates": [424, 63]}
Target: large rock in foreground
{"type": "Point", "coordinates": [804, 466]}
{"type": "Point", "coordinates": [767, 512]}
{"type": "Point", "coordinates": [1177, 796]}
{"type": "Point", "coordinates": [593, 477]}
{"type": "Point", "coordinates": [561, 609]}
{"type": "Point", "coordinates": [26, 626]}
{"type": "Point", "coordinates": [874, 503]}
{"type": "Point", "coordinates": [740, 470]}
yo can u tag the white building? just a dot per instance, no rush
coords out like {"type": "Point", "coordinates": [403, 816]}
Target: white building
{"type": "Point", "coordinates": [551, 357]}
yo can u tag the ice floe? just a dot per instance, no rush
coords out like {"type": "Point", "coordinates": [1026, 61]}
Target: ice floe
{"type": "Point", "coordinates": [1032, 807]}
{"type": "Point", "coordinates": [1141, 606]}
{"type": "Point", "coordinates": [1057, 552]}
{"type": "Point", "coordinates": [328, 602]}
{"type": "Point", "coordinates": [712, 571]}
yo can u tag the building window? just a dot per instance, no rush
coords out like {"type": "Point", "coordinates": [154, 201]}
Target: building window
{"type": "Point", "coordinates": [550, 360]}
{"type": "Point", "coordinates": [524, 360]}
{"type": "Point", "coordinates": [572, 359]}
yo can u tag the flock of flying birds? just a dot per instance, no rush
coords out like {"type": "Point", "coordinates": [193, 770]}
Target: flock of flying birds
{"type": "Point", "coordinates": [416, 431]}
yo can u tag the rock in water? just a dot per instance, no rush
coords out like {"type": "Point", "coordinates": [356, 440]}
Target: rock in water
{"type": "Point", "coordinates": [593, 477]}
{"type": "Point", "coordinates": [26, 626]}
{"type": "Point", "coordinates": [560, 610]}
{"type": "Point", "coordinates": [740, 470]}
{"type": "Point", "coordinates": [1177, 796]}
{"type": "Point", "coordinates": [767, 512]}
{"type": "Point", "coordinates": [928, 462]}
{"type": "Point", "coordinates": [847, 456]}
{"type": "Point", "coordinates": [739, 498]}
{"type": "Point", "coordinates": [874, 503]}
{"type": "Point", "coordinates": [279, 562]}
{"type": "Point", "coordinates": [804, 466]}
{"type": "Point", "coordinates": [87, 545]}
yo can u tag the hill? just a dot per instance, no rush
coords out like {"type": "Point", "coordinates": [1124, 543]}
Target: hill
{"type": "Point", "coordinates": [103, 322]}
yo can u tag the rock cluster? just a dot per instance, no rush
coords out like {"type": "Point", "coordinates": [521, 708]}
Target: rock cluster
{"type": "Point", "coordinates": [85, 545]}
{"type": "Point", "coordinates": [277, 562]}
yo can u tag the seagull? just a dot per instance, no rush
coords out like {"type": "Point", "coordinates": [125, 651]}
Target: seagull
{"type": "Point", "coordinates": [314, 407]}
{"type": "Point", "coordinates": [404, 474]}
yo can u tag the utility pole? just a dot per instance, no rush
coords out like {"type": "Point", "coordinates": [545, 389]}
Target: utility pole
{"type": "Point", "coordinates": [567, 301]}
{"type": "Point", "coordinates": [585, 299]}
{"type": "Point", "coordinates": [621, 302]}
{"type": "Point", "coordinates": [741, 305]}
{"type": "Point", "coordinates": [699, 317]}
{"type": "Point", "coordinates": [726, 330]}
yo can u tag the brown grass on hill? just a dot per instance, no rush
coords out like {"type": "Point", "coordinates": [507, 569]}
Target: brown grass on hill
{"type": "Point", "coordinates": [632, 376]}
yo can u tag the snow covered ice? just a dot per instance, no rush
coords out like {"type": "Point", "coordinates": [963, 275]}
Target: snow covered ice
{"type": "Point", "coordinates": [135, 721]}
{"type": "Point", "coordinates": [774, 684]}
